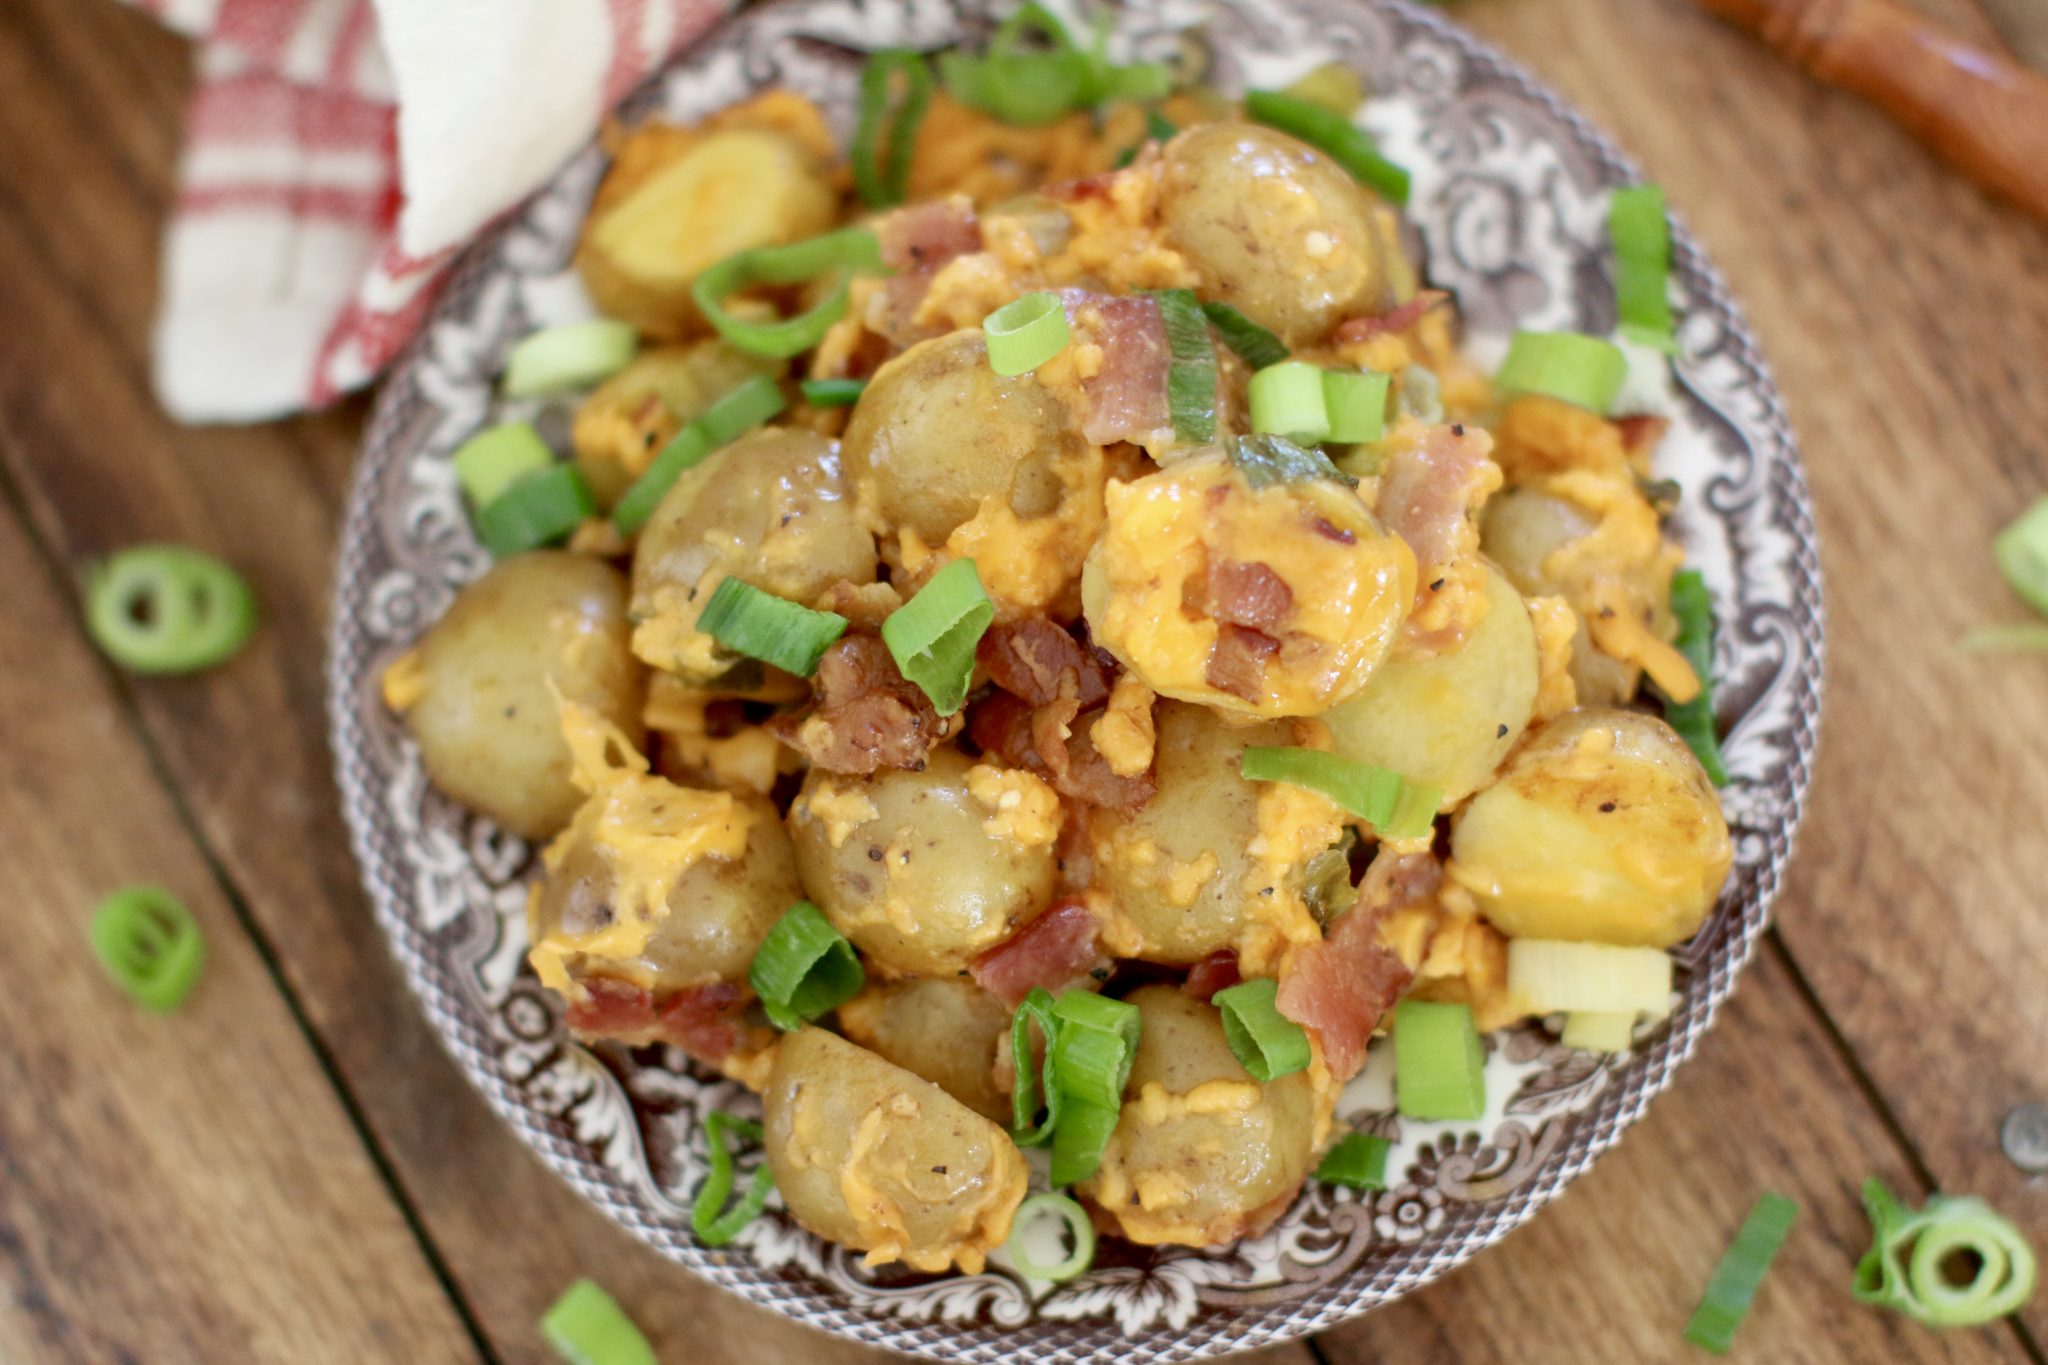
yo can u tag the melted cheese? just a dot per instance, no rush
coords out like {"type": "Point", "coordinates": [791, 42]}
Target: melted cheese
{"type": "Point", "coordinates": [1123, 733]}
{"type": "Point", "coordinates": [1556, 623]}
{"type": "Point", "coordinates": [750, 759]}
{"type": "Point", "coordinates": [841, 810]}
{"type": "Point", "coordinates": [1023, 808]}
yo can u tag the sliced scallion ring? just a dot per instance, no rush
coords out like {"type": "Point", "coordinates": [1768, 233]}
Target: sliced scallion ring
{"type": "Point", "coordinates": [1356, 402]}
{"type": "Point", "coordinates": [881, 155]}
{"type": "Point", "coordinates": [2022, 553]}
{"type": "Point", "coordinates": [715, 1224]}
{"type": "Point", "coordinates": [150, 944]}
{"type": "Point", "coordinates": [586, 1326]}
{"type": "Point", "coordinates": [1732, 1287]}
{"type": "Point", "coordinates": [1694, 720]}
{"type": "Point", "coordinates": [574, 355]}
{"type": "Point", "coordinates": [933, 635]}
{"type": "Point", "coordinates": [493, 460]}
{"type": "Point", "coordinates": [1333, 85]}
{"type": "Point", "coordinates": [1332, 134]}
{"type": "Point", "coordinates": [1287, 400]}
{"type": "Point", "coordinates": [1642, 266]}
{"type": "Point", "coordinates": [1392, 805]}
{"type": "Point", "coordinates": [2027, 638]}
{"type": "Point", "coordinates": [1439, 1065]}
{"type": "Point", "coordinates": [1098, 1040]}
{"type": "Point", "coordinates": [1599, 1030]}
{"type": "Point", "coordinates": [1080, 1138]}
{"type": "Point", "coordinates": [833, 393]}
{"type": "Point", "coordinates": [803, 968]}
{"type": "Point", "coordinates": [1266, 1043]}
{"type": "Point", "coordinates": [1581, 370]}
{"type": "Point", "coordinates": [1254, 345]}
{"type": "Point", "coordinates": [538, 510]}
{"type": "Point", "coordinates": [1026, 1095]}
{"type": "Point", "coordinates": [1045, 1217]}
{"type": "Point", "coordinates": [1267, 460]}
{"type": "Point", "coordinates": [1550, 975]}
{"type": "Point", "coordinates": [1907, 1267]}
{"type": "Point", "coordinates": [1191, 374]}
{"type": "Point", "coordinates": [741, 409]}
{"type": "Point", "coordinates": [1025, 333]}
{"type": "Point", "coordinates": [168, 609]}
{"type": "Point", "coordinates": [835, 257]}
{"type": "Point", "coordinates": [1358, 1160]}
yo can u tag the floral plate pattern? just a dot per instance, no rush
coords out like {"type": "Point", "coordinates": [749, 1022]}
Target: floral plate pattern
{"type": "Point", "coordinates": [1509, 206]}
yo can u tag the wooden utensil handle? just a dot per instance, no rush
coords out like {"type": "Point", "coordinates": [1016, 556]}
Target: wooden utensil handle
{"type": "Point", "coordinates": [1981, 111]}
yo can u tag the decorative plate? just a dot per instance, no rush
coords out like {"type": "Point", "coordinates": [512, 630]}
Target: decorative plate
{"type": "Point", "coordinates": [1509, 203]}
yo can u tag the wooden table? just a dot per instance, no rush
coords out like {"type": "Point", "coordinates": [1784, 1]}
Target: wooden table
{"type": "Point", "coordinates": [291, 1170]}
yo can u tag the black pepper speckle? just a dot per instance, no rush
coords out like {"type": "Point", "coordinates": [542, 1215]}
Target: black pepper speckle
{"type": "Point", "coordinates": [1607, 808]}
{"type": "Point", "coordinates": [1501, 733]}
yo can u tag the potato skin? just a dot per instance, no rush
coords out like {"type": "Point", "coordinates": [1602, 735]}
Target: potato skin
{"type": "Point", "coordinates": [1449, 718]}
{"type": "Point", "coordinates": [1519, 530]}
{"type": "Point", "coordinates": [867, 1155]}
{"type": "Point", "coordinates": [920, 885]}
{"type": "Point", "coordinates": [937, 431]}
{"type": "Point", "coordinates": [1601, 828]}
{"type": "Point", "coordinates": [622, 426]}
{"type": "Point", "coordinates": [1219, 1155]}
{"type": "Point", "coordinates": [945, 1031]}
{"type": "Point", "coordinates": [771, 510]}
{"type": "Point", "coordinates": [486, 719]}
{"type": "Point", "coordinates": [1203, 813]}
{"type": "Point", "coordinates": [1273, 227]}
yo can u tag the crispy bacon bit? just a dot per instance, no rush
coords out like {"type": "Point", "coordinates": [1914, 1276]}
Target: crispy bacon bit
{"type": "Point", "coordinates": [1397, 320]}
{"type": "Point", "coordinates": [1053, 951]}
{"type": "Point", "coordinates": [704, 1021]}
{"type": "Point", "coordinates": [1429, 490]}
{"type": "Point", "coordinates": [1127, 393]}
{"type": "Point", "coordinates": [1087, 187]}
{"type": "Point", "coordinates": [925, 236]}
{"type": "Point", "coordinates": [1339, 988]}
{"type": "Point", "coordinates": [1237, 661]}
{"type": "Point", "coordinates": [1248, 595]}
{"type": "Point", "coordinates": [1216, 972]}
{"type": "Point", "coordinates": [1032, 658]}
{"type": "Point", "coordinates": [1641, 434]}
{"type": "Point", "coordinates": [1025, 736]}
{"type": "Point", "coordinates": [611, 1008]}
{"type": "Point", "coordinates": [866, 716]}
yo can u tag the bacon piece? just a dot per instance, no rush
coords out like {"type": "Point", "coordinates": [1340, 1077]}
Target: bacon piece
{"type": "Point", "coordinates": [1339, 988]}
{"type": "Point", "coordinates": [1216, 972]}
{"type": "Point", "coordinates": [611, 1008]}
{"type": "Point", "coordinates": [1429, 490]}
{"type": "Point", "coordinates": [1025, 736]}
{"type": "Point", "coordinates": [704, 1020]}
{"type": "Point", "coordinates": [1087, 187]}
{"type": "Point", "coordinates": [1247, 595]}
{"type": "Point", "coordinates": [1237, 661]}
{"type": "Point", "coordinates": [1052, 951]}
{"type": "Point", "coordinates": [1396, 320]}
{"type": "Point", "coordinates": [1032, 658]}
{"type": "Point", "coordinates": [866, 715]}
{"type": "Point", "coordinates": [1127, 393]}
{"type": "Point", "coordinates": [1641, 434]}
{"type": "Point", "coordinates": [925, 236]}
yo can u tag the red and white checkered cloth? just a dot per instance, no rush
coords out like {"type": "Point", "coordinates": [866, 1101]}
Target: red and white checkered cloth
{"type": "Point", "coordinates": [339, 152]}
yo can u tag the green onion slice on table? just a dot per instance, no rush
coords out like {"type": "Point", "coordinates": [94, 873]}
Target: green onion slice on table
{"type": "Point", "coordinates": [1332, 134]}
{"type": "Point", "coordinates": [168, 609]}
{"type": "Point", "coordinates": [2022, 553]}
{"type": "Point", "coordinates": [1694, 720]}
{"type": "Point", "coordinates": [714, 1223]}
{"type": "Point", "coordinates": [933, 635]}
{"type": "Point", "coordinates": [1266, 1044]}
{"type": "Point", "coordinates": [1025, 333]}
{"type": "Point", "coordinates": [1732, 1287]}
{"type": "Point", "coordinates": [571, 356]}
{"type": "Point", "coordinates": [1642, 266]}
{"type": "Point", "coordinates": [804, 968]}
{"type": "Point", "coordinates": [1908, 1266]}
{"type": "Point", "coordinates": [150, 944]}
{"type": "Point", "coordinates": [885, 130]}
{"type": "Point", "coordinates": [1358, 1160]}
{"type": "Point", "coordinates": [1581, 370]}
{"type": "Point", "coordinates": [1392, 805]}
{"type": "Point", "coordinates": [538, 510]}
{"type": "Point", "coordinates": [586, 1326]}
{"type": "Point", "coordinates": [1439, 1065]}
{"type": "Point", "coordinates": [834, 258]}
{"type": "Point", "coordinates": [1055, 1217]}
{"type": "Point", "coordinates": [739, 410]}
{"type": "Point", "coordinates": [1191, 372]}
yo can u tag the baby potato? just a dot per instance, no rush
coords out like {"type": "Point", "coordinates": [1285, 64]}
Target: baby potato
{"type": "Point", "coordinates": [479, 692]}
{"type": "Point", "coordinates": [678, 201]}
{"type": "Point", "coordinates": [1273, 227]}
{"type": "Point", "coordinates": [945, 1030]}
{"type": "Point", "coordinates": [1279, 600]}
{"type": "Point", "coordinates": [867, 1155]}
{"type": "Point", "coordinates": [937, 431]}
{"type": "Point", "coordinates": [1520, 529]}
{"type": "Point", "coordinates": [1449, 718]}
{"type": "Point", "coordinates": [913, 867]}
{"type": "Point", "coordinates": [621, 427]}
{"type": "Point", "coordinates": [1179, 868]}
{"type": "Point", "coordinates": [1602, 828]}
{"type": "Point", "coordinates": [1203, 1153]}
{"type": "Point", "coordinates": [771, 510]}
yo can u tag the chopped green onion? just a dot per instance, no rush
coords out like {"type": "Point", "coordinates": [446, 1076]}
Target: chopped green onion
{"type": "Point", "coordinates": [1333, 86]}
{"type": "Point", "coordinates": [1098, 1041]}
{"type": "Point", "coordinates": [833, 393]}
{"type": "Point", "coordinates": [1332, 134]}
{"type": "Point", "coordinates": [803, 968]}
{"type": "Point", "coordinates": [1358, 1160]}
{"type": "Point", "coordinates": [1394, 806]}
{"type": "Point", "coordinates": [493, 460]}
{"type": "Point", "coordinates": [1599, 1030]}
{"type": "Point", "coordinates": [1068, 1222]}
{"type": "Point", "coordinates": [587, 1327]}
{"type": "Point", "coordinates": [1268, 460]}
{"type": "Point", "coordinates": [572, 356]}
{"type": "Point", "coordinates": [1158, 127]}
{"type": "Point", "coordinates": [150, 944]}
{"type": "Point", "coordinates": [538, 510]}
{"type": "Point", "coordinates": [1254, 345]}
{"type": "Point", "coordinates": [1029, 89]}
{"type": "Point", "coordinates": [1191, 377]}
{"type": "Point", "coordinates": [1906, 1268]}
{"type": "Point", "coordinates": [882, 175]}
{"type": "Point", "coordinates": [1732, 1287]}
{"type": "Point", "coordinates": [1357, 404]}
{"type": "Point", "coordinates": [168, 609]}
{"type": "Point", "coordinates": [1037, 1007]}
{"type": "Point", "coordinates": [1547, 975]}
{"type": "Point", "coordinates": [1578, 369]}
{"type": "Point", "coordinates": [1439, 1066]}
{"type": "Point", "coordinates": [714, 1224]}
{"type": "Point", "coordinates": [1422, 395]}
{"type": "Point", "coordinates": [933, 635]}
{"type": "Point", "coordinates": [1694, 720]}
{"type": "Point", "coordinates": [2022, 553]}
{"type": "Point", "coordinates": [2014, 639]}
{"type": "Point", "coordinates": [1642, 266]}
{"type": "Point", "coordinates": [742, 408]}
{"type": "Point", "coordinates": [1265, 1043]}
{"type": "Point", "coordinates": [1080, 1138]}
{"type": "Point", "coordinates": [772, 629]}
{"type": "Point", "coordinates": [1287, 400]}
{"type": "Point", "coordinates": [1025, 333]}
{"type": "Point", "coordinates": [836, 257]}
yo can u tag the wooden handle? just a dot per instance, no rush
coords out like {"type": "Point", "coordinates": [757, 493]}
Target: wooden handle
{"type": "Point", "coordinates": [1980, 111]}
